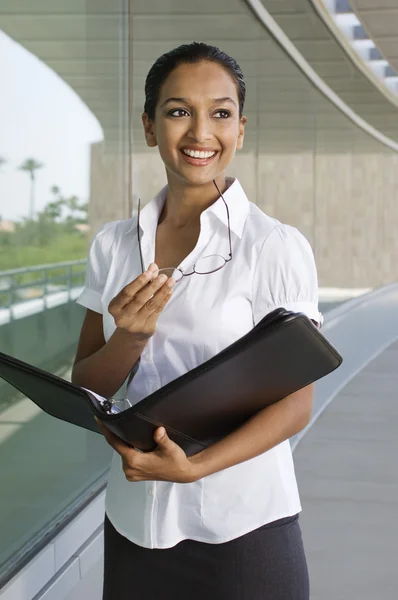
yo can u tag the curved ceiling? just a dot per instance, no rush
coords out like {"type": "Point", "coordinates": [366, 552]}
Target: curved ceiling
{"type": "Point", "coordinates": [380, 20]}
{"type": "Point", "coordinates": [363, 52]}
{"type": "Point", "coordinates": [309, 33]}
{"type": "Point", "coordinates": [80, 40]}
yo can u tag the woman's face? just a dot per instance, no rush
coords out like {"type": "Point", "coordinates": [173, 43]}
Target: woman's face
{"type": "Point", "coordinates": [197, 111]}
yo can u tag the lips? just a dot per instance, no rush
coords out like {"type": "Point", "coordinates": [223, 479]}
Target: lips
{"type": "Point", "coordinates": [197, 161]}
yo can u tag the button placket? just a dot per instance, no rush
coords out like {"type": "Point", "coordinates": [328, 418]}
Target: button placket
{"type": "Point", "coordinates": [152, 525]}
{"type": "Point", "coordinates": [148, 520]}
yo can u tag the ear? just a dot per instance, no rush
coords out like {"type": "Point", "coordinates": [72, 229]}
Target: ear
{"type": "Point", "coordinates": [241, 134]}
{"type": "Point", "coordinates": [149, 130]}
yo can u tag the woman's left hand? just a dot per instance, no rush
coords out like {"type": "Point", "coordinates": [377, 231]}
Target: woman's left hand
{"type": "Point", "coordinates": [167, 463]}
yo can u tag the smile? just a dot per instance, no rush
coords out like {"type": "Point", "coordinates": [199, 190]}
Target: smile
{"type": "Point", "coordinates": [198, 154]}
{"type": "Point", "coordinates": [196, 157]}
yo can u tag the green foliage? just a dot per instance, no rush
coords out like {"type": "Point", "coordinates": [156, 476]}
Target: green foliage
{"type": "Point", "coordinates": [64, 247]}
{"type": "Point", "coordinates": [31, 165]}
{"type": "Point", "coordinates": [51, 236]}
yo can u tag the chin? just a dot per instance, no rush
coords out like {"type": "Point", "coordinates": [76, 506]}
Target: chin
{"type": "Point", "coordinates": [194, 178]}
{"type": "Point", "coordinates": [202, 179]}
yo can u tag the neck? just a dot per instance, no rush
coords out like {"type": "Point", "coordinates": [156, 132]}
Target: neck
{"type": "Point", "coordinates": [185, 203]}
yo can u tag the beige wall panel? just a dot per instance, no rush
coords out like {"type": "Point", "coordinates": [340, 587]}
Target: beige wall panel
{"type": "Point", "coordinates": [333, 219]}
{"type": "Point", "coordinates": [389, 219]}
{"type": "Point", "coordinates": [366, 184]}
{"type": "Point", "coordinates": [285, 184]}
{"type": "Point", "coordinates": [244, 167]}
{"type": "Point", "coordinates": [355, 238]}
{"type": "Point", "coordinates": [149, 176]}
{"type": "Point", "coordinates": [108, 187]}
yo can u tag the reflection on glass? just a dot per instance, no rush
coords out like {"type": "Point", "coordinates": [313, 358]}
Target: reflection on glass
{"type": "Point", "coordinates": [52, 165]}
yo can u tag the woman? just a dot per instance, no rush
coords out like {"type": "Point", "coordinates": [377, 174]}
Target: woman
{"type": "Point", "coordinates": [222, 524]}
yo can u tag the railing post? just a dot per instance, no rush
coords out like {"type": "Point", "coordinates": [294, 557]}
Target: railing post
{"type": "Point", "coordinates": [11, 298]}
{"type": "Point", "coordinates": [69, 283]}
{"type": "Point", "coordinates": [45, 289]}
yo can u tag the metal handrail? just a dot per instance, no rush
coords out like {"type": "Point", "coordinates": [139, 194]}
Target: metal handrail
{"type": "Point", "coordinates": [22, 270]}
{"type": "Point", "coordinates": [16, 282]}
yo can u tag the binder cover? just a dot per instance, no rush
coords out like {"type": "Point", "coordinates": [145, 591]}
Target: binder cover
{"type": "Point", "coordinates": [283, 353]}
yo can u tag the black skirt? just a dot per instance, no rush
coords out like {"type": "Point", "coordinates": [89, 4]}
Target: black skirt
{"type": "Point", "coordinates": [265, 564]}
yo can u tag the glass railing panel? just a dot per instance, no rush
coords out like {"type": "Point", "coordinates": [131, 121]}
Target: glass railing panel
{"type": "Point", "coordinates": [63, 161]}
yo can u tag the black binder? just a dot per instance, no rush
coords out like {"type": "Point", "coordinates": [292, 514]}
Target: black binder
{"type": "Point", "coordinates": [283, 353]}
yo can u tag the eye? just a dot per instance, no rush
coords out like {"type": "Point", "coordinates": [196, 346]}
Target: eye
{"type": "Point", "coordinates": [177, 110]}
{"type": "Point", "coordinates": [224, 114]}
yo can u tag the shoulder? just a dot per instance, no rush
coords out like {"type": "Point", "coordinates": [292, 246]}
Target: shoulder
{"type": "Point", "coordinates": [289, 240]}
{"type": "Point", "coordinates": [285, 273]}
{"type": "Point", "coordinates": [111, 234]}
{"type": "Point", "coordinates": [259, 225]}
{"type": "Point", "coordinates": [273, 237]}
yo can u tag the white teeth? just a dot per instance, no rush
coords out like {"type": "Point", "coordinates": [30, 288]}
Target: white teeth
{"type": "Point", "coordinates": [196, 154]}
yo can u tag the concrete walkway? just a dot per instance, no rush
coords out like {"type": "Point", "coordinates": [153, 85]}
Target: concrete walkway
{"type": "Point", "coordinates": [347, 469]}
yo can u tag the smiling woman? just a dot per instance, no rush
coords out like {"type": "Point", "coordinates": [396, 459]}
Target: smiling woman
{"type": "Point", "coordinates": [190, 125]}
{"type": "Point", "coordinates": [212, 518]}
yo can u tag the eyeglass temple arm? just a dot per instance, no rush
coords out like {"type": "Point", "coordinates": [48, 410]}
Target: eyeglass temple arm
{"type": "Point", "coordinates": [229, 225]}
{"type": "Point", "coordinates": [139, 235]}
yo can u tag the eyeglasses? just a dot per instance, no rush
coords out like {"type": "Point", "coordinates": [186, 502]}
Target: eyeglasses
{"type": "Point", "coordinates": [204, 266]}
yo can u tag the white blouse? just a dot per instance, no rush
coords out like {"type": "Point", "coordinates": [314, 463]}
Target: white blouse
{"type": "Point", "coordinates": [272, 266]}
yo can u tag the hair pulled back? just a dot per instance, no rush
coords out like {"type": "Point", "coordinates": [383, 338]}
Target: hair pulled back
{"type": "Point", "coordinates": [189, 53]}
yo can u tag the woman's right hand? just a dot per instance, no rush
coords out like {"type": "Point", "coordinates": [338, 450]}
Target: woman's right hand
{"type": "Point", "coordinates": [137, 307]}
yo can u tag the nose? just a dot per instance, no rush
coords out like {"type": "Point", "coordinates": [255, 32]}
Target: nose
{"type": "Point", "coordinates": [200, 130]}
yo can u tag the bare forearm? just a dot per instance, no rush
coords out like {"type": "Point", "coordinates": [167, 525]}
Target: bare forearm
{"type": "Point", "coordinates": [106, 370]}
{"type": "Point", "coordinates": [264, 431]}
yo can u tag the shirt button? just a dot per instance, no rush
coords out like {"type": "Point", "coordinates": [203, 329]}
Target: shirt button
{"type": "Point", "coordinates": [150, 491]}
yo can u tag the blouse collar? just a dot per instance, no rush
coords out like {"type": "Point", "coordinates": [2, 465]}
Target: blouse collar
{"type": "Point", "coordinates": [234, 196]}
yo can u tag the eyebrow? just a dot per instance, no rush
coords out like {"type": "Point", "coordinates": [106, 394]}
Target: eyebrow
{"type": "Point", "coordinates": [185, 100]}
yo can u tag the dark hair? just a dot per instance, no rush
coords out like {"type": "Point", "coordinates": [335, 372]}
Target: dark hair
{"type": "Point", "coordinates": [189, 53]}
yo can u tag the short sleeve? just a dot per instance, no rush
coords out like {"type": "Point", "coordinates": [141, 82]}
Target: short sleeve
{"type": "Point", "coordinates": [98, 264]}
{"type": "Point", "coordinates": [286, 276]}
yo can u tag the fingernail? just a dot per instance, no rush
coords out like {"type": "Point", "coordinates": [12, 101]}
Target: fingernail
{"type": "Point", "coordinates": [162, 278]}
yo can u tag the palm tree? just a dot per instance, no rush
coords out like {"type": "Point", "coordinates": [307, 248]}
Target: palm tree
{"type": "Point", "coordinates": [31, 166]}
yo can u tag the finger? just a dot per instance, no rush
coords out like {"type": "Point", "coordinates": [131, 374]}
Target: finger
{"type": "Point", "coordinates": [156, 304]}
{"type": "Point", "coordinates": [146, 293]}
{"type": "Point", "coordinates": [145, 301]}
{"type": "Point", "coordinates": [153, 268]}
{"type": "Point", "coordinates": [131, 289]}
{"type": "Point", "coordinates": [153, 316]}
{"type": "Point", "coordinates": [113, 440]}
{"type": "Point", "coordinates": [163, 302]}
{"type": "Point", "coordinates": [164, 442]}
